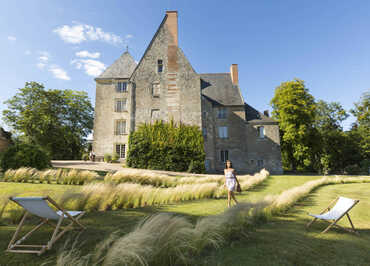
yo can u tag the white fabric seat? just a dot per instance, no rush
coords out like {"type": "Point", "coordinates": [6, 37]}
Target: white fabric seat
{"type": "Point", "coordinates": [341, 207]}
{"type": "Point", "coordinates": [72, 213]}
{"type": "Point", "coordinates": [39, 206]}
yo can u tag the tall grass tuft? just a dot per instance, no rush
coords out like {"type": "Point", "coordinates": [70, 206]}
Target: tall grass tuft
{"type": "Point", "coordinates": [60, 176]}
{"type": "Point", "coordinates": [289, 197]}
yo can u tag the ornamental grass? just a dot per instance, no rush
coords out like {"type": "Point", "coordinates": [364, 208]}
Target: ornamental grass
{"type": "Point", "coordinates": [59, 176]}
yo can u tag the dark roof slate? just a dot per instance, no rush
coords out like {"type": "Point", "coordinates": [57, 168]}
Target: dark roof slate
{"type": "Point", "coordinates": [219, 88]}
{"type": "Point", "coordinates": [255, 117]}
{"type": "Point", "coordinates": [121, 68]}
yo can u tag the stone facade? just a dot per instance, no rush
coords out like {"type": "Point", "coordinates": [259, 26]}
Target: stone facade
{"type": "Point", "coordinates": [164, 86]}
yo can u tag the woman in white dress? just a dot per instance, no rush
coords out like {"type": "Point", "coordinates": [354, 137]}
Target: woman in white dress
{"type": "Point", "coordinates": [231, 182]}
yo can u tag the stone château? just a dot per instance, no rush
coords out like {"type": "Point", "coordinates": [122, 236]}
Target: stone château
{"type": "Point", "coordinates": [162, 86]}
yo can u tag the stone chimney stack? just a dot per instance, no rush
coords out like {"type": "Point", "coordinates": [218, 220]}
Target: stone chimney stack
{"type": "Point", "coordinates": [171, 24]}
{"type": "Point", "coordinates": [234, 74]}
{"type": "Point", "coordinates": [173, 91]}
{"type": "Point", "coordinates": [172, 27]}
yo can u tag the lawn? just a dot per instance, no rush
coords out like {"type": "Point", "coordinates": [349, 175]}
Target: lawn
{"type": "Point", "coordinates": [285, 241]}
{"type": "Point", "coordinates": [282, 241]}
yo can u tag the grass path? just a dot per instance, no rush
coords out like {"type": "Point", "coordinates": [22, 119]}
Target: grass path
{"type": "Point", "coordinates": [101, 224]}
{"type": "Point", "coordinates": [28, 189]}
{"type": "Point", "coordinates": [284, 241]}
{"type": "Point", "coordinates": [273, 185]}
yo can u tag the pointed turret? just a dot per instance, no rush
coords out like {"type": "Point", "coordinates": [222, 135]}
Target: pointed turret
{"type": "Point", "coordinates": [121, 68]}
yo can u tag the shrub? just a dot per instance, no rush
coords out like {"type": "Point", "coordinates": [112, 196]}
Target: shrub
{"type": "Point", "coordinates": [85, 157]}
{"type": "Point", "coordinates": [352, 169]}
{"type": "Point", "coordinates": [24, 155]}
{"type": "Point", "coordinates": [167, 146]}
{"type": "Point", "coordinates": [115, 157]}
{"type": "Point", "coordinates": [107, 158]}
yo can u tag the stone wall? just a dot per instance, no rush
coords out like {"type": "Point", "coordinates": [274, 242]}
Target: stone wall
{"type": "Point", "coordinates": [265, 149]}
{"type": "Point", "coordinates": [243, 144]}
{"type": "Point", "coordinates": [105, 117]}
{"type": "Point", "coordinates": [179, 85]}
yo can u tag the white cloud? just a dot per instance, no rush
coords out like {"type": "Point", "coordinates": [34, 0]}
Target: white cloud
{"type": "Point", "coordinates": [12, 38]}
{"type": "Point", "coordinates": [41, 65]}
{"type": "Point", "coordinates": [44, 56]}
{"type": "Point", "coordinates": [27, 52]}
{"type": "Point", "coordinates": [92, 67]}
{"type": "Point", "coordinates": [88, 54]}
{"type": "Point", "coordinates": [83, 32]}
{"type": "Point", "coordinates": [58, 72]}
{"type": "Point", "coordinates": [129, 36]}
{"type": "Point", "coordinates": [73, 34]}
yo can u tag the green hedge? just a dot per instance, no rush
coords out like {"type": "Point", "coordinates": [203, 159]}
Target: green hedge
{"type": "Point", "coordinates": [24, 155]}
{"type": "Point", "coordinates": [167, 146]}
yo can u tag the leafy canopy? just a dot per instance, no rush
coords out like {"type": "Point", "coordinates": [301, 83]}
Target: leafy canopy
{"type": "Point", "coordinates": [57, 120]}
{"type": "Point", "coordinates": [294, 108]}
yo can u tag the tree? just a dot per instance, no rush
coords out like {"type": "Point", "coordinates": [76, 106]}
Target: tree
{"type": "Point", "coordinates": [294, 108]}
{"type": "Point", "coordinates": [329, 115]}
{"type": "Point", "coordinates": [362, 125]}
{"type": "Point", "coordinates": [333, 142]}
{"type": "Point", "coordinates": [24, 155]}
{"type": "Point", "coordinates": [57, 120]}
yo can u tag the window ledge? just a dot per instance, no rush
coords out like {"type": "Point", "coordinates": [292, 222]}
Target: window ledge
{"type": "Point", "coordinates": [124, 111]}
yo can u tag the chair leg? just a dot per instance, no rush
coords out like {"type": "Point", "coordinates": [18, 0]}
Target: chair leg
{"type": "Point", "coordinates": [353, 228]}
{"type": "Point", "coordinates": [311, 222]}
{"type": "Point", "coordinates": [68, 227]}
{"type": "Point", "coordinates": [330, 226]}
{"type": "Point", "coordinates": [51, 242]}
{"type": "Point", "coordinates": [18, 230]}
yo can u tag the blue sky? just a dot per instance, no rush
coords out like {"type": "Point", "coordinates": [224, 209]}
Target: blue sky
{"type": "Point", "coordinates": [64, 44]}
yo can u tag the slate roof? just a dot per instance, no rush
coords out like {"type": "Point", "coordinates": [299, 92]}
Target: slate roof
{"type": "Point", "coordinates": [255, 117]}
{"type": "Point", "coordinates": [121, 68]}
{"type": "Point", "coordinates": [219, 88]}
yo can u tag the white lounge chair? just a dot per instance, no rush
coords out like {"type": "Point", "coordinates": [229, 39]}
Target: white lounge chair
{"type": "Point", "coordinates": [39, 206]}
{"type": "Point", "coordinates": [333, 215]}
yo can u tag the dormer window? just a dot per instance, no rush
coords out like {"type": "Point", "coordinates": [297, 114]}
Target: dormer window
{"type": "Point", "coordinates": [261, 132]}
{"type": "Point", "coordinates": [122, 87]}
{"type": "Point", "coordinates": [160, 66]}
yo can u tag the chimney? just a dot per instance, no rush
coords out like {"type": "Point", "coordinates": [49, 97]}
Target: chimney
{"type": "Point", "coordinates": [234, 74]}
{"type": "Point", "coordinates": [266, 113]}
{"type": "Point", "coordinates": [171, 23]}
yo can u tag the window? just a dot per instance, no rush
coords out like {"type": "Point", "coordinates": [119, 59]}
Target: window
{"type": "Point", "coordinates": [204, 131]}
{"type": "Point", "coordinates": [121, 150]}
{"type": "Point", "coordinates": [261, 132]}
{"type": "Point", "coordinates": [120, 105]}
{"type": "Point", "coordinates": [207, 164]}
{"type": "Point", "coordinates": [224, 155]}
{"type": "Point", "coordinates": [260, 163]}
{"type": "Point", "coordinates": [160, 66]}
{"type": "Point", "coordinates": [120, 127]}
{"type": "Point", "coordinates": [156, 90]}
{"type": "Point", "coordinates": [155, 115]}
{"type": "Point", "coordinates": [222, 113]}
{"type": "Point", "coordinates": [222, 132]}
{"type": "Point", "coordinates": [122, 87]}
